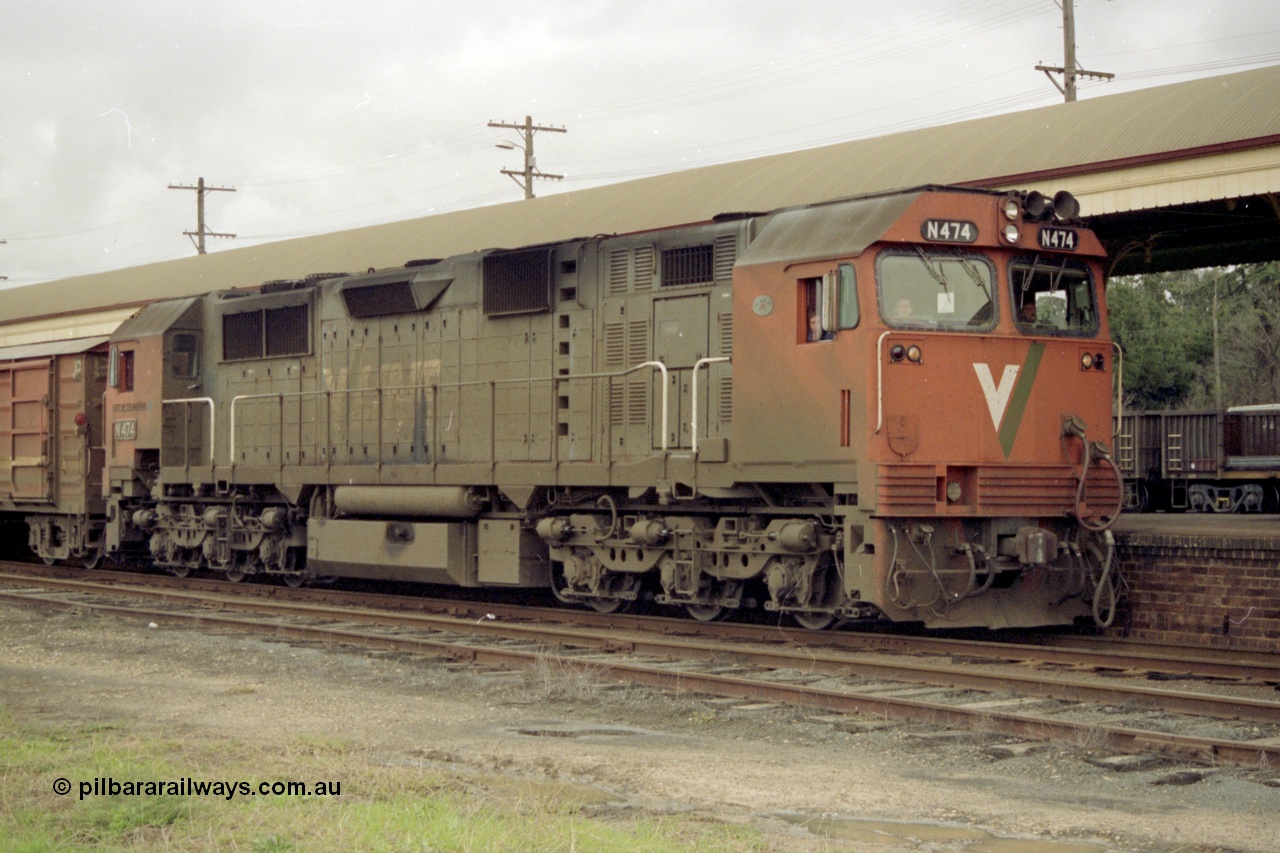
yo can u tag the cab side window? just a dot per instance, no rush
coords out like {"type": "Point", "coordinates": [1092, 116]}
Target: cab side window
{"type": "Point", "coordinates": [185, 360]}
{"type": "Point", "coordinates": [847, 300]}
{"type": "Point", "coordinates": [828, 304]}
{"type": "Point", "coordinates": [126, 370]}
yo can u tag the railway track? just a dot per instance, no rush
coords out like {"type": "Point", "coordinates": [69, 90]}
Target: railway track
{"type": "Point", "coordinates": [1027, 691]}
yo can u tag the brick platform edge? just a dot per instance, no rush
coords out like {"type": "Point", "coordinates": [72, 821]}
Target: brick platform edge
{"type": "Point", "coordinates": [1221, 591]}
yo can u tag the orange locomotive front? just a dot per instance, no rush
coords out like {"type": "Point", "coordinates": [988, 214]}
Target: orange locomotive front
{"type": "Point", "coordinates": [952, 366]}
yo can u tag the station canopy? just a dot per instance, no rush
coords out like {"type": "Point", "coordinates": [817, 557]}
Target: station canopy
{"type": "Point", "coordinates": [1176, 176]}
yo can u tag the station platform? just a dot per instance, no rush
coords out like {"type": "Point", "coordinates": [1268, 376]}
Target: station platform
{"type": "Point", "coordinates": [1200, 579]}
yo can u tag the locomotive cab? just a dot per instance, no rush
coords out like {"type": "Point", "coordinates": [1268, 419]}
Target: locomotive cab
{"type": "Point", "coordinates": [156, 415]}
{"type": "Point", "coordinates": [950, 374]}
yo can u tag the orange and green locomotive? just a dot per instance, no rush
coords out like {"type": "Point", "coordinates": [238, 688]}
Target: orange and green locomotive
{"type": "Point", "coordinates": [896, 406]}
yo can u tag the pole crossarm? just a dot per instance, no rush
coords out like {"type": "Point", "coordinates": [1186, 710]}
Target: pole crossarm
{"type": "Point", "coordinates": [524, 177]}
{"type": "Point", "coordinates": [201, 190]}
{"type": "Point", "coordinates": [1069, 70]}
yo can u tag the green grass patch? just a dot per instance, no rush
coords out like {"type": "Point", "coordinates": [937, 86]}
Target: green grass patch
{"type": "Point", "coordinates": [381, 807]}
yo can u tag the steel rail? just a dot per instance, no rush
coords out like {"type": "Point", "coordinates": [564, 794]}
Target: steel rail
{"type": "Point", "coordinates": [818, 661]}
{"type": "Point", "coordinates": [851, 702]}
{"type": "Point", "coordinates": [1067, 651]}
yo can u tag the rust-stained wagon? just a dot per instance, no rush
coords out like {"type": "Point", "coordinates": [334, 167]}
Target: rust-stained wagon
{"type": "Point", "coordinates": [51, 453]}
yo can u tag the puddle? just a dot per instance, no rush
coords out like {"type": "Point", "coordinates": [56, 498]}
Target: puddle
{"type": "Point", "coordinates": [961, 838]}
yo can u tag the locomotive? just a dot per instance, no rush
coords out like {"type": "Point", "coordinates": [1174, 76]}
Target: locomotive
{"type": "Point", "coordinates": [887, 407]}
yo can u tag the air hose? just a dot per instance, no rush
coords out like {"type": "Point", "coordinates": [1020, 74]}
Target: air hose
{"type": "Point", "coordinates": [1093, 450]}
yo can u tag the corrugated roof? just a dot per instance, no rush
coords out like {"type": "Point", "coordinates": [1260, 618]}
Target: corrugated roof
{"type": "Point", "coordinates": [1215, 113]}
{"type": "Point", "coordinates": [43, 350]}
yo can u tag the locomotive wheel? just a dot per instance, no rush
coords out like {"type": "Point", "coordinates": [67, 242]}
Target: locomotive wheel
{"type": "Point", "coordinates": [558, 584]}
{"type": "Point", "coordinates": [609, 605]}
{"type": "Point", "coordinates": [624, 583]}
{"type": "Point", "coordinates": [179, 571]}
{"type": "Point", "coordinates": [92, 558]}
{"type": "Point", "coordinates": [235, 576]}
{"type": "Point", "coordinates": [49, 561]}
{"type": "Point", "coordinates": [293, 580]}
{"type": "Point", "coordinates": [813, 620]}
{"type": "Point", "coordinates": [705, 612]}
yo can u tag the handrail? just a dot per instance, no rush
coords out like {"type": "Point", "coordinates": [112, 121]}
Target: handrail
{"type": "Point", "coordinates": [1119, 362]}
{"type": "Point", "coordinates": [213, 423]}
{"type": "Point", "coordinates": [880, 379]}
{"type": "Point", "coordinates": [435, 388]}
{"type": "Point", "coordinates": [693, 394]}
{"type": "Point", "coordinates": [662, 368]}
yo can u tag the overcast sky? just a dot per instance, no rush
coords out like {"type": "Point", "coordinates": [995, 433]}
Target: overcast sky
{"type": "Point", "coordinates": [343, 113]}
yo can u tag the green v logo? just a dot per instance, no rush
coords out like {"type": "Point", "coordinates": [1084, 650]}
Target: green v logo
{"type": "Point", "coordinates": [1007, 400]}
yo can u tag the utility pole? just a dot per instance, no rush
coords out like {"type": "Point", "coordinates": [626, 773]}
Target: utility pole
{"type": "Point", "coordinates": [1069, 70]}
{"type": "Point", "coordinates": [3, 277]}
{"type": "Point", "coordinates": [197, 236]}
{"type": "Point", "coordinates": [530, 170]}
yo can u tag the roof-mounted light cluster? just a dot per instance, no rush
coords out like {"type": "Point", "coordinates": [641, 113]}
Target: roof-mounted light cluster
{"type": "Point", "coordinates": [1062, 208]}
{"type": "Point", "coordinates": [1036, 207]}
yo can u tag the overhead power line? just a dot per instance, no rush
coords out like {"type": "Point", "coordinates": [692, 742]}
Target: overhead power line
{"type": "Point", "coordinates": [525, 176]}
{"type": "Point", "coordinates": [1069, 70]}
{"type": "Point", "coordinates": [201, 232]}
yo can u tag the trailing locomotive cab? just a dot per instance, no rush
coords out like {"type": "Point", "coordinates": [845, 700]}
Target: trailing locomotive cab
{"type": "Point", "coordinates": [157, 414]}
{"type": "Point", "coordinates": [942, 360]}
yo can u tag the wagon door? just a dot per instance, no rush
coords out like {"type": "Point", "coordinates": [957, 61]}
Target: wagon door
{"type": "Point", "coordinates": [25, 453]}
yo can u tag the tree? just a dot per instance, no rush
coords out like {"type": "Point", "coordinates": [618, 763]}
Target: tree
{"type": "Point", "coordinates": [1173, 357]}
{"type": "Point", "coordinates": [1165, 345]}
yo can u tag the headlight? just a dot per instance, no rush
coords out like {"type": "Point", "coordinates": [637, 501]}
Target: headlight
{"type": "Point", "coordinates": [1086, 361]}
{"type": "Point", "coordinates": [1010, 233]}
{"type": "Point", "coordinates": [1011, 208]}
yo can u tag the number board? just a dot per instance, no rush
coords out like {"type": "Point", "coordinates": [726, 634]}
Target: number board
{"type": "Point", "coordinates": [949, 231]}
{"type": "Point", "coordinates": [126, 430]}
{"type": "Point", "coordinates": [1062, 239]}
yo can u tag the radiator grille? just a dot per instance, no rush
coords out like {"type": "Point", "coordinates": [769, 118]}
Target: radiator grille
{"type": "Point", "coordinates": [726, 253]}
{"type": "Point", "coordinates": [615, 345]}
{"type": "Point", "coordinates": [242, 335]}
{"type": "Point", "coordinates": [286, 331]}
{"type": "Point", "coordinates": [644, 267]}
{"type": "Point", "coordinates": [637, 342]}
{"type": "Point", "coordinates": [377, 300]}
{"type": "Point", "coordinates": [688, 265]}
{"type": "Point", "coordinates": [906, 490]}
{"type": "Point", "coordinates": [618, 278]}
{"type": "Point", "coordinates": [271, 333]}
{"type": "Point", "coordinates": [726, 400]}
{"type": "Point", "coordinates": [517, 282]}
{"type": "Point", "coordinates": [999, 490]}
{"type": "Point", "coordinates": [726, 334]}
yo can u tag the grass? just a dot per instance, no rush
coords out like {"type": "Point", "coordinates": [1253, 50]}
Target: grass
{"type": "Point", "coordinates": [382, 807]}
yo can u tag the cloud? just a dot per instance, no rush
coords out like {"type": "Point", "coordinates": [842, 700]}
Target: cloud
{"type": "Point", "coordinates": [336, 114]}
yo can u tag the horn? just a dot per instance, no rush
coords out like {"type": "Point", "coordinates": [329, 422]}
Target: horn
{"type": "Point", "coordinates": [1036, 206]}
{"type": "Point", "coordinates": [1065, 206]}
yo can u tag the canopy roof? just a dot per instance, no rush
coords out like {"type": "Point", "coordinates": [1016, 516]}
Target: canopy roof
{"type": "Point", "coordinates": [1229, 126]}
